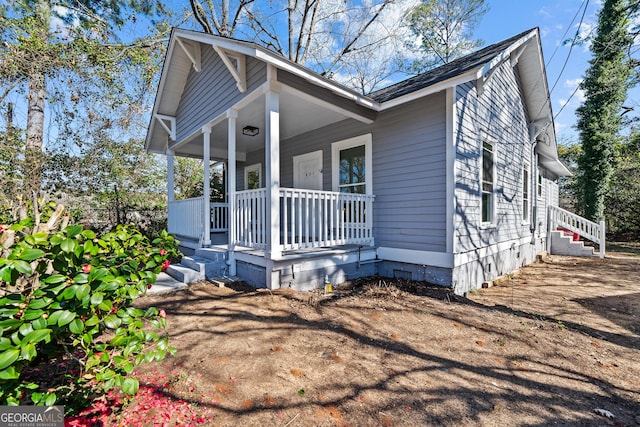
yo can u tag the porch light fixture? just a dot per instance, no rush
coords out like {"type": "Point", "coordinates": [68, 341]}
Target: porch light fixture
{"type": "Point", "coordinates": [250, 130]}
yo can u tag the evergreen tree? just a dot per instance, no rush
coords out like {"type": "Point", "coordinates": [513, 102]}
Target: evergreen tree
{"type": "Point", "coordinates": [68, 58]}
{"type": "Point", "coordinates": [605, 86]}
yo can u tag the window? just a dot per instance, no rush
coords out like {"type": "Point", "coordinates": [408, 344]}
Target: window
{"type": "Point", "coordinates": [525, 192]}
{"type": "Point", "coordinates": [351, 165]}
{"type": "Point", "coordinates": [252, 176]}
{"type": "Point", "coordinates": [352, 170]}
{"type": "Point", "coordinates": [487, 182]}
{"type": "Point", "coordinates": [539, 185]}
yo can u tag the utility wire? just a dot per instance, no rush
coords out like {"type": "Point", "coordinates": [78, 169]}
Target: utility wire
{"type": "Point", "coordinates": [565, 34]}
{"type": "Point", "coordinates": [595, 61]}
{"type": "Point", "coordinates": [573, 43]}
{"type": "Point", "coordinates": [566, 61]}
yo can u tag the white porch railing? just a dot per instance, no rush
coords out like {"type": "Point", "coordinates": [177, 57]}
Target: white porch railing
{"type": "Point", "coordinates": [559, 217]}
{"type": "Point", "coordinates": [307, 219]}
{"type": "Point", "coordinates": [324, 218]}
{"type": "Point", "coordinates": [219, 215]}
{"type": "Point", "coordinates": [250, 218]}
{"type": "Point", "coordinates": [185, 217]}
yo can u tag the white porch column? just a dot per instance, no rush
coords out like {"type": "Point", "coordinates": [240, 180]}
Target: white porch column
{"type": "Point", "coordinates": [272, 181]}
{"type": "Point", "coordinates": [206, 159]}
{"type": "Point", "coordinates": [232, 115]}
{"type": "Point", "coordinates": [171, 191]}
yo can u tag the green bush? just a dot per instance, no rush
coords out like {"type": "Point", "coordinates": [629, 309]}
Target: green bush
{"type": "Point", "coordinates": [66, 301]}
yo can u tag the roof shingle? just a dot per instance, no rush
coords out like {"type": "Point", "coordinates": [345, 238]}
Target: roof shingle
{"type": "Point", "coordinates": [452, 69]}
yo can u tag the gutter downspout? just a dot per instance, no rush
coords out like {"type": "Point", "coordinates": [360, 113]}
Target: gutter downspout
{"type": "Point", "coordinates": [534, 189]}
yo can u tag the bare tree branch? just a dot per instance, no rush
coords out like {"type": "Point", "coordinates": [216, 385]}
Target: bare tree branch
{"type": "Point", "coordinates": [349, 46]}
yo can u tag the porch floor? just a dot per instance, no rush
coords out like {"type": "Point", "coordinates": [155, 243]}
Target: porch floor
{"type": "Point", "coordinates": [294, 254]}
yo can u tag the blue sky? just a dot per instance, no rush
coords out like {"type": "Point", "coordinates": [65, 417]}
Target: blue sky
{"type": "Point", "coordinates": [558, 20]}
{"type": "Point", "coordinates": [554, 18]}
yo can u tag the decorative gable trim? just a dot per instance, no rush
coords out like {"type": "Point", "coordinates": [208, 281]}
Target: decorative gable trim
{"type": "Point", "coordinates": [170, 128]}
{"type": "Point", "coordinates": [514, 51]}
{"type": "Point", "coordinates": [236, 64]}
{"type": "Point", "coordinates": [192, 50]}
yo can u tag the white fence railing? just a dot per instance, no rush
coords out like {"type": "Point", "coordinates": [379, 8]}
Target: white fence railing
{"type": "Point", "coordinates": [307, 219]}
{"type": "Point", "coordinates": [311, 218]}
{"type": "Point", "coordinates": [186, 217]}
{"type": "Point", "coordinates": [250, 218]}
{"type": "Point", "coordinates": [590, 230]}
{"type": "Point", "coordinates": [219, 215]}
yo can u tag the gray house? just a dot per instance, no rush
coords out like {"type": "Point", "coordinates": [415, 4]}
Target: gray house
{"type": "Point", "coordinates": [448, 177]}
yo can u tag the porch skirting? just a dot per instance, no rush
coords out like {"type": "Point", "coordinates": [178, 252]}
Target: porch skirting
{"type": "Point", "coordinates": [307, 270]}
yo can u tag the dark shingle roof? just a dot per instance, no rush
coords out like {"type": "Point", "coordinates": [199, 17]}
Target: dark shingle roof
{"type": "Point", "coordinates": [444, 72]}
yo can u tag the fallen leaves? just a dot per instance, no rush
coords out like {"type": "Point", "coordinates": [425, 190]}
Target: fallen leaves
{"type": "Point", "coordinates": [153, 405]}
{"type": "Point", "coordinates": [297, 372]}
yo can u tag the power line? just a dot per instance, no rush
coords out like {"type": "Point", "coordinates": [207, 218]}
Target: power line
{"type": "Point", "coordinates": [566, 61]}
{"type": "Point", "coordinates": [595, 61]}
{"type": "Point", "coordinates": [573, 43]}
{"type": "Point", "coordinates": [565, 33]}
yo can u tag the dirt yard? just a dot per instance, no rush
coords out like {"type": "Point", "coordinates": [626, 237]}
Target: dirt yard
{"type": "Point", "coordinates": [554, 345]}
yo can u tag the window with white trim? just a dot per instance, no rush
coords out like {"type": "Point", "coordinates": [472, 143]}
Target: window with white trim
{"type": "Point", "coordinates": [351, 165]}
{"type": "Point", "coordinates": [525, 192]}
{"type": "Point", "coordinates": [253, 177]}
{"type": "Point", "coordinates": [488, 177]}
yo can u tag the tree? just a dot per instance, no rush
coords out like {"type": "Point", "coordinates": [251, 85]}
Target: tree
{"type": "Point", "coordinates": [114, 175]}
{"type": "Point", "coordinates": [605, 86]}
{"type": "Point", "coordinates": [64, 53]}
{"type": "Point", "coordinates": [622, 201]}
{"type": "Point", "coordinates": [568, 152]}
{"type": "Point", "coordinates": [189, 179]}
{"type": "Point", "coordinates": [445, 29]}
{"type": "Point", "coordinates": [357, 43]}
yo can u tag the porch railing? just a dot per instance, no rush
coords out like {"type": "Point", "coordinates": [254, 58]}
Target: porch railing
{"type": "Point", "coordinates": [590, 230]}
{"type": "Point", "coordinates": [308, 219]}
{"type": "Point", "coordinates": [186, 217]}
{"type": "Point", "coordinates": [250, 218]}
{"type": "Point", "coordinates": [219, 215]}
{"type": "Point", "coordinates": [324, 218]}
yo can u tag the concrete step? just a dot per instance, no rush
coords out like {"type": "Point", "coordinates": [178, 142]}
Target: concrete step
{"type": "Point", "coordinates": [185, 274]}
{"type": "Point", "coordinates": [562, 244]}
{"type": "Point", "coordinates": [212, 254]}
{"type": "Point", "coordinates": [194, 262]}
{"type": "Point", "coordinates": [164, 284]}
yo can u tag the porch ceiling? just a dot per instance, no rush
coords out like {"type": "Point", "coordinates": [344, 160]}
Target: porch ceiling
{"type": "Point", "coordinates": [297, 116]}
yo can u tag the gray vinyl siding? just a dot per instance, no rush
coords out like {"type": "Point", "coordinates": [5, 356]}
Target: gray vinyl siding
{"type": "Point", "coordinates": [210, 92]}
{"type": "Point", "coordinates": [408, 145]}
{"type": "Point", "coordinates": [498, 114]}
{"type": "Point", "coordinates": [409, 176]}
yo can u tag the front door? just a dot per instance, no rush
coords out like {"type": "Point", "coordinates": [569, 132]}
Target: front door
{"type": "Point", "coordinates": [307, 175]}
{"type": "Point", "coordinates": [307, 171]}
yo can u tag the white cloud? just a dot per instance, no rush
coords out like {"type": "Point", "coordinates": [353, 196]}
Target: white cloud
{"type": "Point", "coordinates": [586, 31]}
{"type": "Point", "coordinates": [545, 13]}
{"type": "Point", "coordinates": [572, 84]}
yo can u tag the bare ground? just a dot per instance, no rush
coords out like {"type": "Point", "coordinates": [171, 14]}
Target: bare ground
{"type": "Point", "coordinates": [547, 347]}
